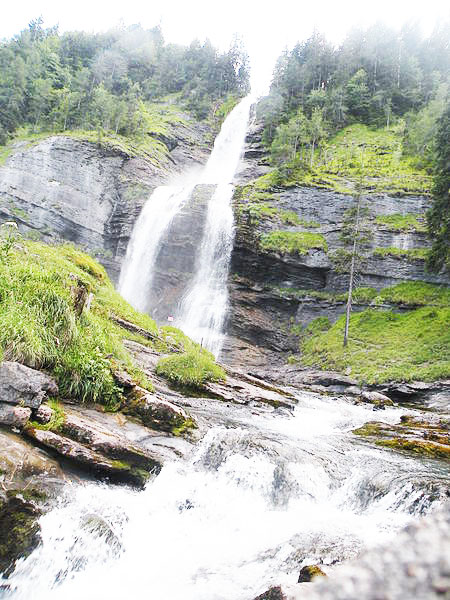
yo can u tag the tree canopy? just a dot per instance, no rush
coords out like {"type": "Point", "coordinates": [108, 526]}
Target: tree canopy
{"type": "Point", "coordinates": [84, 80]}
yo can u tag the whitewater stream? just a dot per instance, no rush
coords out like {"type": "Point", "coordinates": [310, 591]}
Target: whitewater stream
{"type": "Point", "coordinates": [202, 309]}
{"type": "Point", "coordinates": [264, 492]}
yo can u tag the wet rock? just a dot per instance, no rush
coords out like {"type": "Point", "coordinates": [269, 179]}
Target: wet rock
{"type": "Point", "coordinates": [310, 572]}
{"type": "Point", "coordinates": [14, 416]}
{"type": "Point", "coordinates": [105, 440]}
{"type": "Point", "coordinates": [246, 389]}
{"type": "Point", "coordinates": [19, 529]}
{"type": "Point", "coordinates": [21, 385]}
{"type": "Point", "coordinates": [376, 398]}
{"type": "Point", "coordinates": [24, 466]}
{"type": "Point", "coordinates": [428, 436]}
{"type": "Point", "coordinates": [153, 411]}
{"type": "Point", "coordinates": [93, 461]}
{"type": "Point", "coordinates": [274, 593]}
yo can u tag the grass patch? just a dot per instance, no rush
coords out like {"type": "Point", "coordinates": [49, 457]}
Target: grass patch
{"type": "Point", "coordinates": [400, 222]}
{"type": "Point", "coordinates": [57, 420]}
{"type": "Point", "coordinates": [384, 346]}
{"type": "Point", "coordinates": [192, 368]}
{"type": "Point", "coordinates": [411, 254]}
{"type": "Point", "coordinates": [40, 327]}
{"type": "Point", "coordinates": [292, 242]}
{"type": "Point", "coordinates": [336, 165]}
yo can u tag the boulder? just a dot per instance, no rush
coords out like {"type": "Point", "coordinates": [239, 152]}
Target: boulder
{"type": "Point", "coordinates": [14, 416]}
{"type": "Point", "coordinates": [154, 411]}
{"type": "Point", "coordinates": [25, 386]}
{"type": "Point", "coordinates": [376, 398]}
{"type": "Point", "coordinates": [19, 529]}
{"type": "Point", "coordinates": [309, 572]}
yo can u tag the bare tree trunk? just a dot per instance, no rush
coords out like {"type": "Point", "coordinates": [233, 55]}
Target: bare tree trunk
{"type": "Point", "coordinates": [352, 273]}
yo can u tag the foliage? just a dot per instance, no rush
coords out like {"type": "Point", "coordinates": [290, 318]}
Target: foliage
{"type": "Point", "coordinates": [292, 242]}
{"type": "Point", "coordinates": [438, 217]}
{"type": "Point", "coordinates": [193, 368]}
{"type": "Point", "coordinates": [336, 165]}
{"type": "Point", "coordinates": [373, 77]}
{"type": "Point", "coordinates": [108, 83]}
{"type": "Point", "coordinates": [40, 327]}
{"type": "Point", "coordinates": [385, 346]}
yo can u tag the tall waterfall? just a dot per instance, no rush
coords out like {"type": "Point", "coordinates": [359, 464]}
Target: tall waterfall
{"type": "Point", "coordinates": [201, 311]}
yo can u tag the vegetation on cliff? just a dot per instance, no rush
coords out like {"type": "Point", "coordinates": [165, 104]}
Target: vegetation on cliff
{"type": "Point", "coordinates": [60, 312]}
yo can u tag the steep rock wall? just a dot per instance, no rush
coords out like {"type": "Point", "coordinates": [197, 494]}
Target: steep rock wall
{"type": "Point", "coordinates": [69, 189]}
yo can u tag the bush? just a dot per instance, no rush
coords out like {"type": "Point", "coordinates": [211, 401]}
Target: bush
{"type": "Point", "coordinates": [192, 368]}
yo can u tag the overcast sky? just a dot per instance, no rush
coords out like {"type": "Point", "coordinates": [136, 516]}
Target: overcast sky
{"type": "Point", "coordinates": [266, 26]}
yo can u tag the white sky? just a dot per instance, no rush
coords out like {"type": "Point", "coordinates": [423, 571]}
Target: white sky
{"type": "Point", "coordinates": [266, 26]}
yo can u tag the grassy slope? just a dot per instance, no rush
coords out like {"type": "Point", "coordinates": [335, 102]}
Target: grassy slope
{"type": "Point", "coordinates": [40, 328]}
{"type": "Point", "coordinates": [336, 166]}
{"type": "Point", "coordinates": [386, 346]}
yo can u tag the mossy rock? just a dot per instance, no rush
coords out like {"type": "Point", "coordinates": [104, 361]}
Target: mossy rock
{"type": "Point", "coordinates": [19, 528]}
{"type": "Point", "coordinates": [309, 572]}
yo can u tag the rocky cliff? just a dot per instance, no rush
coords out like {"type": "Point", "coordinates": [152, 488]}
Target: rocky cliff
{"type": "Point", "coordinates": [66, 188]}
{"type": "Point", "coordinates": [276, 291]}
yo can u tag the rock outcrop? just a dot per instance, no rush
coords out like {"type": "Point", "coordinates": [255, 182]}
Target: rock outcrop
{"type": "Point", "coordinates": [69, 189]}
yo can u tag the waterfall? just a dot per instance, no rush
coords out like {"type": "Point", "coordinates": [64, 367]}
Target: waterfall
{"type": "Point", "coordinates": [262, 494]}
{"type": "Point", "coordinates": [202, 309]}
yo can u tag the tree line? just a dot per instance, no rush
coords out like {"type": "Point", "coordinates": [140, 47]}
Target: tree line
{"type": "Point", "coordinates": [375, 77]}
{"type": "Point", "coordinates": [81, 80]}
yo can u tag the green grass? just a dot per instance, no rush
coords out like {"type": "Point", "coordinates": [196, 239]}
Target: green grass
{"type": "Point", "coordinates": [57, 419]}
{"type": "Point", "coordinates": [400, 222]}
{"type": "Point", "coordinates": [40, 328]}
{"type": "Point", "coordinates": [292, 242]}
{"type": "Point", "coordinates": [385, 346]}
{"type": "Point", "coordinates": [192, 368]}
{"type": "Point", "coordinates": [412, 254]}
{"type": "Point", "coordinates": [336, 165]}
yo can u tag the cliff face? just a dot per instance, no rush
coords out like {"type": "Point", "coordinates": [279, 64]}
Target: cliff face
{"type": "Point", "coordinates": [65, 188]}
{"type": "Point", "coordinates": [273, 290]}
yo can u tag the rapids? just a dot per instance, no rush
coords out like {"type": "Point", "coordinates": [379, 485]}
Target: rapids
{"type": "Point", "coordinates": [264, 492]}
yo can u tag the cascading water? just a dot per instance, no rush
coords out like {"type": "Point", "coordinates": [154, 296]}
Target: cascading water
{"type": "Point", "coordinates": [201, 312]}
{"type": "Point", "coordinates": [262, 494]}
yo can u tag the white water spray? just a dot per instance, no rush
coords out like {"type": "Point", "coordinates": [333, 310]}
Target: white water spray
{"type": "Point", "coordinates": [202, 311]}
{"type": "Point", "coordinates": [257, 499]}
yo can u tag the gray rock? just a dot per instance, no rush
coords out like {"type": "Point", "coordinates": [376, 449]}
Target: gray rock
{"type": "Point", "coordinates": [154, 411]}
{"type": "Point", "coordinates": [21, 385]}
{"type": "Point", "coordinates": [274, 593]}
{"type": "Point", "coordinates": [376, 398]}
{"type": "Point", "coordinates": [14, 416]}
{"type": "Point", "coordinates": [94, 462]}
